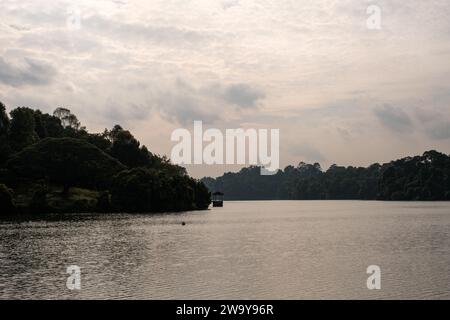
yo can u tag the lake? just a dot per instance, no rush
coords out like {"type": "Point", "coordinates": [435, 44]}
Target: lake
{"type": "Point", "coordinates": [245, 250]}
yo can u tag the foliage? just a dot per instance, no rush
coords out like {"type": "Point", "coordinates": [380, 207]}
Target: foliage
{"type": "Point", "coordinates": [67, 118]}
{"type": "Point", "coordinates": [22, 130]}
{"type": "Point", "coordinates": [150, 190]}
{"type": "Point", "coordinates": [127, 149]}
{"type": "Point", "coordinates": [4, 120]}
{"type": "Point", "coordinates": [425, 177]}
{"type": "Point", "coordinates": [417, 178]}
{"type": "Point", "coordinates": [65, 161]}
{"type": "Point", "coordinates": [40, 153]}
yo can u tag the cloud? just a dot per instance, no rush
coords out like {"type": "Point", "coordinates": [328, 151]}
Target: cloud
{"type": "Point", "coordinates": [311, 69]}
{"type": "Point", "coordinates": [31, 72]}
{"type": "Point", "coordinates": [138, 31]}
{"type": "Point", "coordinates": [440, 131]}
{"type": "Point", "coordinates": [186, 103]}
{"type": "Point", "coordinates": [227, 4]}
{"type": "Point", "coordinates": [436, 120]}
{"type": "Point", "coordinates": [394, 118]}
{"type": "Point", "coordinates": [243, 95]}
{"type": "Point", "coordinates": [308, 153]}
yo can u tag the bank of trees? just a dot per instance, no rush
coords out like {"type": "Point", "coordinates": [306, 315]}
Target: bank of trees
{"type": "Point", "coordinates": [425, 177]}
{"type": "Point", "coordinates": [45, 159]}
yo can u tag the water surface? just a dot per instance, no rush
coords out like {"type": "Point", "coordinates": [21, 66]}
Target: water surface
{"type": "Point", "coordinates": [246, 250]}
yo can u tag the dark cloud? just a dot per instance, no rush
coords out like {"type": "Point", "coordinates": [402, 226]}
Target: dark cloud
{"type": "Point", "coordinates": [31, 72]}
{"type": "Point", "coordinates": [394, 118]}
{"type": "Point", "coordinates": [242, 95]}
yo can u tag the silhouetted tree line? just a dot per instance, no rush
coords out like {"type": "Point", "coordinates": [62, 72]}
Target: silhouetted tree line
{"type": "Point", "coordinates": [50, 163]}
{"type": "Point", "coordinates": [425, 177]}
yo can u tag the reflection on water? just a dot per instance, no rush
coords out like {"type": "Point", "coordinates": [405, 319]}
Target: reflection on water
{"type": "Point", "coordinates": [246, 250]}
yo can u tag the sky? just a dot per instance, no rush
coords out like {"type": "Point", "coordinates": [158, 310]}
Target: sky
{"type": "Point", "coordinates": [339, 90]}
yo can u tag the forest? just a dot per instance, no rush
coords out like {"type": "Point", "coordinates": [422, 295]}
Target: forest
{"type": "Point", "coordinates": [418, 178]}
{"type": "Point", "coordinates": [50, 163]}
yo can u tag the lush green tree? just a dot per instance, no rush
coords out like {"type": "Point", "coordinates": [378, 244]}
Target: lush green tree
{"type": "Point", "coordinates": [52, 125]}
{"type": "Point", "coordinates": [68, 119]}
{"type": "Point", "coordinates": [5, 150]}
{"type": "Point", "coordinates": [149, 190]}
{"type": "Point", "coordinates": [100, 141]}
{"type": "Point", "coordinates": [65, 161]}
{"type": "Point", "coordinates": [425, 177]}
{"type": "Point", "coordinates": [47, 126]}
{"type": "Point", "coordinates": [127, 149]}
{"type": "Point", "coordinates": [22, 130]}
{"type": "Point", "coordinates": [41, 151]}
{"type": "Point", "coordinates": [202, 195]}
{"type": "Point", "coordinates": [4, 120]}
{"type": "Point", "coordinates": [303, 182]}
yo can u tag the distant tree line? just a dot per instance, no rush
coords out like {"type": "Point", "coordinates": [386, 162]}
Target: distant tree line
{"type": "Point", "coordinates": [50, 163]}
{"type": "Point", "coordinates": [425, 177]}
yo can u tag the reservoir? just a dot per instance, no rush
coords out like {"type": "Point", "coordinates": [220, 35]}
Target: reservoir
{"type": "Point", "coordinates": [245, 250]}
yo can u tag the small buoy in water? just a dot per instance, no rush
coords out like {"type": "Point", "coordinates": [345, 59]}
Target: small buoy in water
{"type": "Point", "coordinates": [183, 223]}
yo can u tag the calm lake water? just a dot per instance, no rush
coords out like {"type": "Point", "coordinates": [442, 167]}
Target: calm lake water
{"type": "Point", "coordinates": [246, 250]}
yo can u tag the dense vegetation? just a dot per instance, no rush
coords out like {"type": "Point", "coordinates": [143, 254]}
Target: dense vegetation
{"type": "Point", "coordinates": [50, 163]}
{"type": "Point", "coordinates": [425, 177]}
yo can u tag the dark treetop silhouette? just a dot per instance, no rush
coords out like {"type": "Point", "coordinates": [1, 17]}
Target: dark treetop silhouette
{"type": "Point", "coordinates": [425, 177]}
{"type": "Point", "coordinates": [50, 163]}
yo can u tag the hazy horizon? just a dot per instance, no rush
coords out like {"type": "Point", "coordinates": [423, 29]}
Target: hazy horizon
{"type": "Point", "coordinates": [339, 91]}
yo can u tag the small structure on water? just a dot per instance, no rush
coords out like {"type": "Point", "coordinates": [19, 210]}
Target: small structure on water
{"type": "Point", "coordinates": [217, 199]}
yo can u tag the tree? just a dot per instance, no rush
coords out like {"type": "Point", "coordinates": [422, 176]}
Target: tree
{"type": "Point", "coordinates": [127, 149]}
{"type": "Point", "coordinates": [202, 196]}
{"type": "Point", "coordinates": [40, 128]}
{"type": "Point", "coordinates": [149, 190]}
{"type": "Point", "coordinates": [22, 130]}
{"type": "Point", "coordinates": [4, 120]}
{"type": "Point", "coordinates": [47, 125]}
{"type": "Point", "coordinates": [5, 149]}
{"type": "Point", "coordinates": [68, 120]}
{"type": "Point", "coordinates": [55, 151]}
{"type": "Point", "coordinates": [67, 162]}
{"type": "Point", "coordinates": [425, 177]}
{"type": "Point", "coordinates": [100, 141]}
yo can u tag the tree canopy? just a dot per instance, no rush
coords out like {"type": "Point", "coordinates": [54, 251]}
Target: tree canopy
{"type": "Point", "coordinates": [65, 161]}
{"type": "Point", "coordinates": [149, 190]}
{"type": "Point", "coordinates": [40, 153]}
{"type": "Point", "coordinates": [425, 177]}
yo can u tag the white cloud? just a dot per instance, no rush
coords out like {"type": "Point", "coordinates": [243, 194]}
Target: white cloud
{"type": "Point", "coordinates": [311, 68]}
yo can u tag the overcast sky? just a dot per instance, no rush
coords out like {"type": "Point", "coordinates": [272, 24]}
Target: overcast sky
{"type": "Point", "coordinates": [338, 91]}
